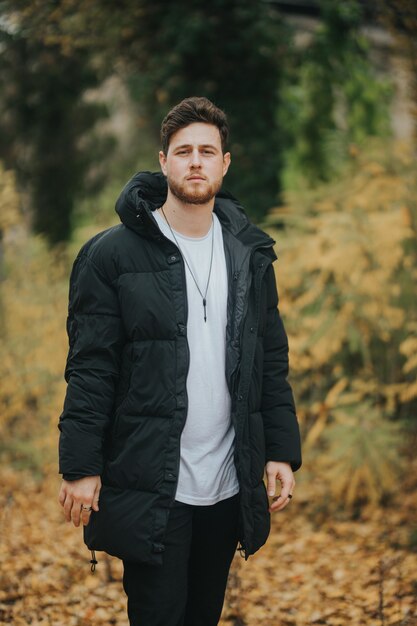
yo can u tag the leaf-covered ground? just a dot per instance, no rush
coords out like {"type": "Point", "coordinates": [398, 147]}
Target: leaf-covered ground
{"type": "Point", "coordinates": [334, 572]}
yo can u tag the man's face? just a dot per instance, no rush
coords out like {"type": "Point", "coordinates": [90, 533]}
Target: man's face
{"type": "Point", "coordinates": [194, 164]}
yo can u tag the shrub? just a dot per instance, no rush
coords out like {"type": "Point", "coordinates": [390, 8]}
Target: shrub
{"type": "Point", "coordinates": [350, 306]}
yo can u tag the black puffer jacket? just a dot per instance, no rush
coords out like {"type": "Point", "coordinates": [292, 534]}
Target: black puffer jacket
{"type": "Point", "coordinates": [126, 401]}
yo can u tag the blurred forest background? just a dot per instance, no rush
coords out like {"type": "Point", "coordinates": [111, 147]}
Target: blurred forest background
{"type": "Point", "coordinates": [321, 97]}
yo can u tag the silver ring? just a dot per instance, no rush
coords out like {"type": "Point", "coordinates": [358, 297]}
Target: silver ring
{"type": "Point", "coordinates": [86, 508]}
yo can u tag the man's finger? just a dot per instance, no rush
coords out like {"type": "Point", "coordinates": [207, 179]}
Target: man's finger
{"type": "Point", "coordinates": [67, 507]}
{"type": "Point", "coordinates": [76, 513]}
{"type": "Point", "coordinates": [62, 495]}
{"type": "Point", "coordinates": [278, 504]}
{"type": "Point", "coordinates": [96, 499]}
{"type": "Point", "coordinates": [271, 484]}
{"type": "Point", "coordinates": [285, 490]}
{"type": "Point", "coordinates": [284, 498]}
{"type": "Point", "coordinates": [86, 513]}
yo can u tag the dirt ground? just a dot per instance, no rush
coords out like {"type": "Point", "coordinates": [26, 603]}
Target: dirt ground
{"type": "Point", "coordinates": [336, 572]}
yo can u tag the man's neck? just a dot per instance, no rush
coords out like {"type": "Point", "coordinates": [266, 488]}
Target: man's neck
{"type": "Point", "coordinates": [191, 220]}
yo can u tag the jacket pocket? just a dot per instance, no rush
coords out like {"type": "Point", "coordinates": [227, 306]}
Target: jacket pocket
{"type": "Point", "coordinates": [123, 525]}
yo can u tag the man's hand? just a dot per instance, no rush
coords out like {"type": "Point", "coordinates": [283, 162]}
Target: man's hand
{"type": "Point", "coordinates": [282, 472]}
{"type": "Point", "coordinates": [76, 496]}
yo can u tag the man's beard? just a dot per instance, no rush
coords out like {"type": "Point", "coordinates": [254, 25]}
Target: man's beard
{"type": "Point", "coordinates": [198, 196]}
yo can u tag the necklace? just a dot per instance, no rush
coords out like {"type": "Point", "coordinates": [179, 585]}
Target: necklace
{"type": "Point", "coordinates": [204, 297]}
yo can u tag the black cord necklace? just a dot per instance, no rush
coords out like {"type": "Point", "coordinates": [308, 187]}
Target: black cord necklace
{"type": "Point", "coordinates": [204, 297]}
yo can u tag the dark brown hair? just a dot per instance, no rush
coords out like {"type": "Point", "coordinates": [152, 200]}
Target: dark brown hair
{"type": "Point", "coordinates": [190, 110]}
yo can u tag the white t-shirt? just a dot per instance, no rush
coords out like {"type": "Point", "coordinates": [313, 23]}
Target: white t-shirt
{"type": "Point", "coordinates": [207, 471]}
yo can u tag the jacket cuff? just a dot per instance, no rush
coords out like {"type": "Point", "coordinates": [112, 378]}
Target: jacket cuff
{"type": "Point", "coordinates": [73, 476]}
{"type": "Point", "coordinates": [295, 462]}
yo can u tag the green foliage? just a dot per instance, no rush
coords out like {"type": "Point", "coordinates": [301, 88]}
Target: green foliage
{"type": "Point", "coordinates": [225, 50]}
{"type": "Point", "coordinates": [331, 96]}
{"type": "Point", "coordinates": [44, 125]}
{"type": "Point", "coordinates": [400, 17]}
{"type": "Point", "coordinates": [234, 52]}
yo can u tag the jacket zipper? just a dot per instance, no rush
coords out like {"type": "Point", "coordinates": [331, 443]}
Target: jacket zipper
{"type": "Point", "coordinates": [258, 276]}
{"type": "Point", "coordinates": [233, 376]}
{"type": "Point", "coordinates": [160, 237]}
{"type": "Point", "coordinates": [265, 265]}
{"type": "Point", "coordinates": [184, 279]}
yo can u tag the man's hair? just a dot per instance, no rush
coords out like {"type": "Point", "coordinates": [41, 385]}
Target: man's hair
{"type": "Point", "coordinates": [190, 110]}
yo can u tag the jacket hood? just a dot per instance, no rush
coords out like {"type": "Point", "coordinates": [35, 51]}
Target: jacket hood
{"type": "Point", "coordinates": [144, 192]}
{"type": "Point", "coordinates": [147, 191]}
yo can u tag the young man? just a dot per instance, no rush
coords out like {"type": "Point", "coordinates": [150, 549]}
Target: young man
{"type": "Point", "coordinates": [177, 396]}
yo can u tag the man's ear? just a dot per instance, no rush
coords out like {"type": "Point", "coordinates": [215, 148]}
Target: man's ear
{"type": "Point", "coordinates": [226, 162]}
{"type": "Point", "coordinates": [163, 162]}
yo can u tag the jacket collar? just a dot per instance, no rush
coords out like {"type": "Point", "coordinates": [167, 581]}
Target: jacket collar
{"type": "Point", "coordinates": [147, 191]}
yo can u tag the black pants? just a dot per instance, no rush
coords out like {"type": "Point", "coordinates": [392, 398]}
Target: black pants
{"type": "Point", "coordinates": [188, 589]}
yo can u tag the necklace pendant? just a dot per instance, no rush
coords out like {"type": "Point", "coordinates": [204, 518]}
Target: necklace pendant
{"type": "Point", "coordinates": [189, 268]}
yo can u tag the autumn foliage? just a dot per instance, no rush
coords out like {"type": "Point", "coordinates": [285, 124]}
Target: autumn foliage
{"type": "Point", "coordinates": [347, 276]}
{"type": "Point", "coordinates": [33, 294]}
{"type": "Point", "coordinates": [336, 573]}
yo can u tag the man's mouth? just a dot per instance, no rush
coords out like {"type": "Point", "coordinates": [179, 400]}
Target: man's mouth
{"type": "Point", "coordinates": [195, 177]}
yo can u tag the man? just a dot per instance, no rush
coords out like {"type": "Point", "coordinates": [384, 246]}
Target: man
{"type": "Point", "coordinates": [177, 395]}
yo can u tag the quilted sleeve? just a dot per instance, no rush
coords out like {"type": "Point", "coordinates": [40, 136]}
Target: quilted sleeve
{"type": "Point", "coordinates": [282, 433]}
{"type": "Point", "coordinates": [96, 338]}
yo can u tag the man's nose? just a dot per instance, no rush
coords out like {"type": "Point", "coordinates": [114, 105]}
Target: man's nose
{"type": "Point", "coordinates": [195, 159]}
